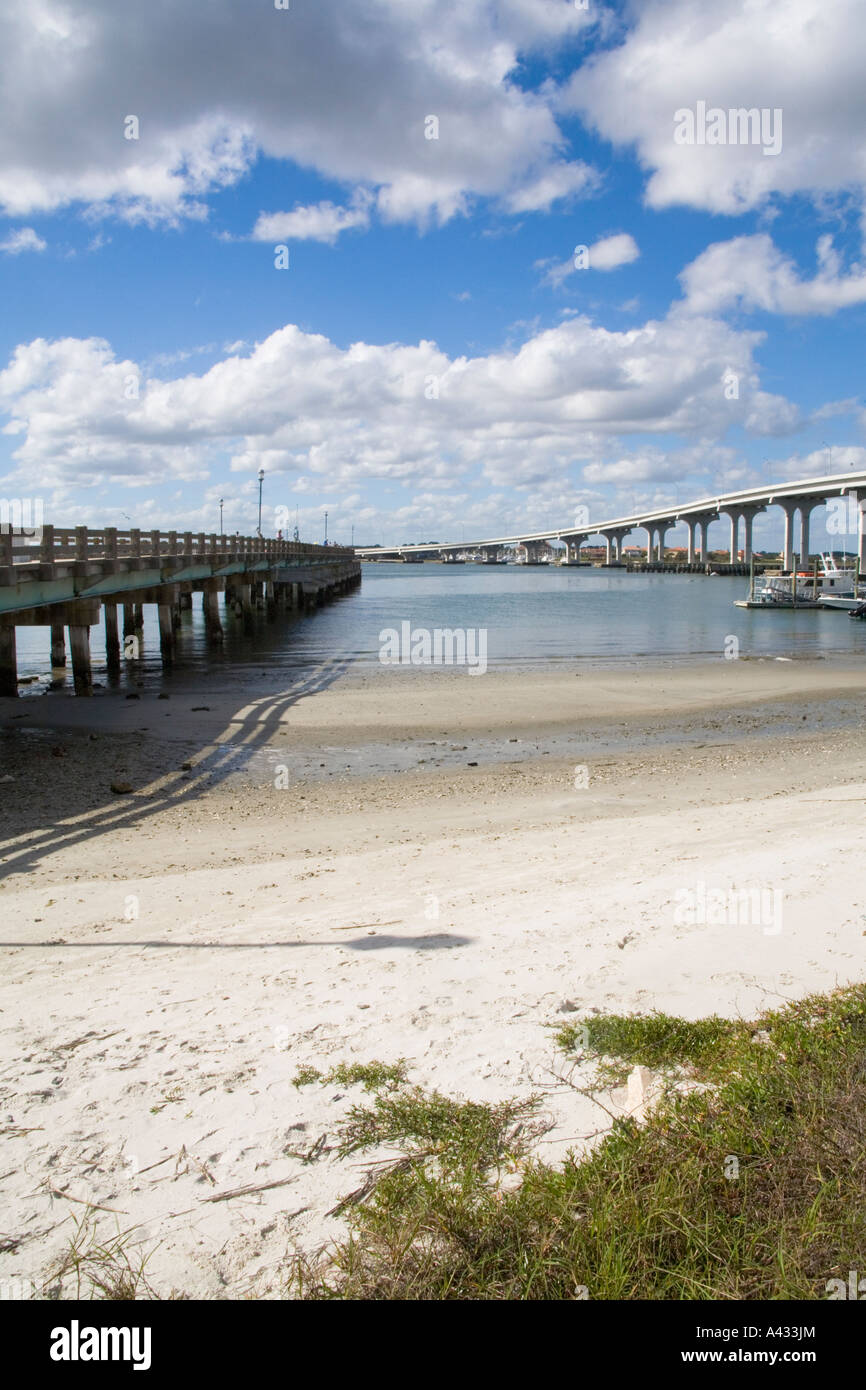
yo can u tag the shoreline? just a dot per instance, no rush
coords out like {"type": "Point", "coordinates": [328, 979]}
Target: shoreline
{"type": "Point", "coordinates": [181, 951]}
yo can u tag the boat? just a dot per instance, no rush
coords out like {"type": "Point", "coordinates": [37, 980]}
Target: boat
{"type": "Point", "coordinates": [825, 586]}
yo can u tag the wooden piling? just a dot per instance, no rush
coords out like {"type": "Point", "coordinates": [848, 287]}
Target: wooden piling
{"type": "Point", "coordinates": [58, 647]}
{"type": "Point", "coordinates": [79, 645]}
{"type": "Point", "coordinates": [112, 641]}
{"type": "Point", "coordinates": [8, 660]}
{"type": "Point", "coordinates": [166, 632]}
{"type": "Point", "coordinates": [211, 605]}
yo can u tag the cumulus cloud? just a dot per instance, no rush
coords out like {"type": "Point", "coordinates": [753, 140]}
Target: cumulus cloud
{"type": "Point", "coordinates": [318, 222]}
{"type": "Point", "coordinates": [607, 254]}
{"type": "Point", "coordinates": [298, 404]}
{"type": "Point", "coordinates": [24, 239]}
{"type": "Point", "coordinates": [342, 89]}
{"type": "Point", "coordinates": [805, 58]}
{"type": "Point", "coordinates": [750, 272]}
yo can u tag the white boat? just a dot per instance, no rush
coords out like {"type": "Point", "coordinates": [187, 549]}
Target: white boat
{"type": "Point", "coordinates": [825, 586]}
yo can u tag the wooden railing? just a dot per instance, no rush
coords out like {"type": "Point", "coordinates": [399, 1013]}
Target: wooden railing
{"type": "Point", "coordinates": [53, 544]}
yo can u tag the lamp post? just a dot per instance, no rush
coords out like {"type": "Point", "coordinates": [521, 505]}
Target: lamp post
{"type": "Point", "coordinates": [261, 480]}
{"type": "Point", "coordinates": [221, 516]}
{"type": "Point", "coordinates": [326, 528]}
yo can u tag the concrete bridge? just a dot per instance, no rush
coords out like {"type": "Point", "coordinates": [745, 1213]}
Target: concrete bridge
{"type": "Point", "coordinates": [64, 579]}
{"type": "Point", "coordinates": [797, 501]}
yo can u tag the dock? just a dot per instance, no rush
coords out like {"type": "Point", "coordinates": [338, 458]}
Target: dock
{"type": "Point", "coordinates": [70, 579]}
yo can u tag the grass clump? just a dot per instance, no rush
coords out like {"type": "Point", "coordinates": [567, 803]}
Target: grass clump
{"type": "Point", "coordinates": [374, 1076]}
{"type": "Point", "coordinates": [658, 1040]}
{"type": "Point", "coordinates": [100, 1267]}
{"type": "Point", "coordinates": [754, 1188]}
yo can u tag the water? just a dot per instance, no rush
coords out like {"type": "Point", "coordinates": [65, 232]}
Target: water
{"type": "Point", "coordinates": [533, 617]}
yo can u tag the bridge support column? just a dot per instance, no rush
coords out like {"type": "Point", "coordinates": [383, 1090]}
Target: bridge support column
{"type": "Point", "coordinates": [806, 509]}
{"type": "Point", "coordinates": [58, 646]}
{"type": "Point", "coordinates": [82, 672]}
{"type": "Point", "coordinates": [211, 605]}
{"type": "Point", "coordinates": [734, 547]}
{"type": "Point", "coordinates": [662, 533]}
{"type": "Point", "coordinates": [166, 632]}
{"type": "Point", "coordinates": [861, 549]}
{"type": "Point", "coordinates": [112, 641]}
{"type": "Point", "coordinates": [8, 660]}
{"type": "Point", "coordinates": [789, 508]}
{"type": "Point", "coordinates": [748, 514]}
{"type": "Point", "coordinates": [690, 553]}
{"type": "Point", "coordinates": [703, 526]}
{"type": "Point", "coordinates": [650, 533]}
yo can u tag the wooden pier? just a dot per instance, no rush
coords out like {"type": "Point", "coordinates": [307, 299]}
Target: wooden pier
{"type": "Point", "coordinates": [68, 580]}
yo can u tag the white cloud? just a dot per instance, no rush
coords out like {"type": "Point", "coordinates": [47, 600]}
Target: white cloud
{"type": "Point", "coordinates": [24, 239]}
{"type": "Point", "coordinates": [341, 89]}
{"type": "Point", "coordinates": [297, 404]}
{"type": "Point", "coordinates": [318, 222]}
{"type": "Point", "coordinates": [805, 57]}
{"type": "Point", "coordinates": [607, 254]}
{"type": "Point", "coordinates": [750, 272]}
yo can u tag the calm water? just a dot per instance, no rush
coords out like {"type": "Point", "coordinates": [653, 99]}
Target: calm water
{"type": "Point", "coordinates": [533, 617]}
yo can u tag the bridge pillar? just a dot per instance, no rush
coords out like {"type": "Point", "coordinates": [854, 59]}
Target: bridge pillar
{"type": "Point", "coordinates": [806, 509]}
{"type": "Point", "coordinates": [58, 646]}
{"type": "Point", "coordinates": [166, 632]}
{"type": "Point", "coordinates": [748, 514]}
{"type": "Point", "coordinates": [789, 508]}
{"type": "Point", "coordinates": [79, 645]}
{"type": "Point", "coordinates": [8, 661]}
{"type": "Point", "coordinates": [702, 527]}
{"type": "Point", "coordinates": [690, 553]}
{"type": "Point", "coordinates": [112, 641]}
{"type": "Point", "coordinates": [211, 605]}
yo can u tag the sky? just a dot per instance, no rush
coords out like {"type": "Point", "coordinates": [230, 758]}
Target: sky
{"type": "Point", "coordinates": [432, 265]}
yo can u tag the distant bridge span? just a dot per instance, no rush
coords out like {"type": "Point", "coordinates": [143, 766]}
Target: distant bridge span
{"type": "Point", "coordinates": [794, 498]}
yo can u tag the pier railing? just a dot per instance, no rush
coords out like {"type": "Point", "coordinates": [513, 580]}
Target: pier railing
{"type": "Point", "coordinates": [51, 544]}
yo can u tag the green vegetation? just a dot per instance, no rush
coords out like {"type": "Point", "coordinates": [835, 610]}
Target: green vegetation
{"type": "Point", "coordinates": [621, 1041]}
{"type": "Point", "coordinates": [374, 1076]}
{"type": "Point", "coordinates": [753, 1187]}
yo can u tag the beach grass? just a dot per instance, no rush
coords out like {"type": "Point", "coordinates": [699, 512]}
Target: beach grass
{"type": "Point", "coordinates": [750, 1185]}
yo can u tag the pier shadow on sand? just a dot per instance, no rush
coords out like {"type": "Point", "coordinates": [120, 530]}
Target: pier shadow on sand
{"type": "Point", "coordinates": [225, 753]}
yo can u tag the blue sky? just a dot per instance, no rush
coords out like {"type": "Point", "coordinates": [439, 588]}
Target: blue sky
{"type": "Point", "coordinates": [431, 358]}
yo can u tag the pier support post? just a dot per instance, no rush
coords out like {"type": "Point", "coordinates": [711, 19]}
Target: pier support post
{"type": "Point", "coordinates": [79, 646]}
{"type": "Point", "coordinates": [112, 641]}
{"type": "Point", "coordinates": [166, 633]}
{"type": "Point", "coordinates": [211, 604]}
{"type": "Point", "coordinates": [861, 549]}
{"type": "Point", "coordinates": [138, 617]}
{"type": "Point", "coordinates": [129, 620]}
{"type": "Point", "coordinates": [270, 598]}
{"type": "Point", "coordinates": [8, 660]}
{"type": "Point", "coordinates": [58, 647]}
{"type": "Point", "coordinates": [244, 593]}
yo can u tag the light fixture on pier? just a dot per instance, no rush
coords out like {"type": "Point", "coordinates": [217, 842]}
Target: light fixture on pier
{"type": "Point", "coordinates": [261, 480]}
{"type": "Point", "coordinates": [221, 516]}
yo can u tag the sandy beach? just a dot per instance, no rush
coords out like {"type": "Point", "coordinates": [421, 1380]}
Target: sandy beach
{"type": "Point", "coordinates": [414, 865]}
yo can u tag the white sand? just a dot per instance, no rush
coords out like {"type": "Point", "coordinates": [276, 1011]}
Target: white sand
{"type": "Point", "coordinates": [445, 916]}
